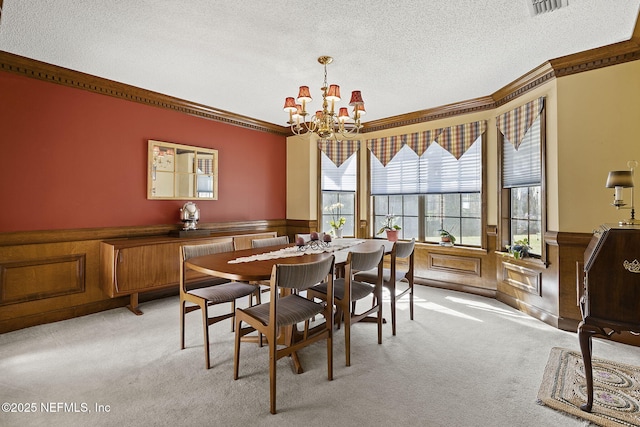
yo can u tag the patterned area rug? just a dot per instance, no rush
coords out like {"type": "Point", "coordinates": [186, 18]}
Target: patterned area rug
{"type": "Point", "coordinates": [616, 396]}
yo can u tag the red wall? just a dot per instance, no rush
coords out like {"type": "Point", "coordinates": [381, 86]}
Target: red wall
{"type": "Point", "coordinates": [75, 159]}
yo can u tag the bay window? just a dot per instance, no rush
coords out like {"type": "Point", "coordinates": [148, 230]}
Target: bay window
{"type": "Point", "coordinates": [440, 188]}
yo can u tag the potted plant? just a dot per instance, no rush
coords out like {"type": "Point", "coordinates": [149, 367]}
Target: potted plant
{"type": "Point", "coordinates": [337, 221]}
{"type": "Point", "coordinates": [520, 248]}
{"type": "Point", "coordinates": [390, 228]}
{"type": "Point", "coordinates": [446, 238]}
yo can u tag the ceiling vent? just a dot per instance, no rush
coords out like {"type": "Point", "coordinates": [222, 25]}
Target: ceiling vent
{"type": "Point", "coordinates": [536, 7]}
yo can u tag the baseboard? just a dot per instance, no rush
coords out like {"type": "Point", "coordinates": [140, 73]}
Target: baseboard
{"type": "Point", "coordinates": [61, 314]}
{"type": "Point", "coordinates": [489, 293]}
{"type": "Point", "coordinates": [529, 309]}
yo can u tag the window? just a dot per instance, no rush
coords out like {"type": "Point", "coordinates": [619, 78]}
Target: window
{"type": "Point", "coordinates": [522, 178]}
{"type": "Point", "coordinates": [431, 192]}
{"type": "Point", "coordinates": [338, 194]}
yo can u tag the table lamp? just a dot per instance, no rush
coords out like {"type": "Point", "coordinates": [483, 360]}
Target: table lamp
{"type": "Point", "coordinates": [620, 180]}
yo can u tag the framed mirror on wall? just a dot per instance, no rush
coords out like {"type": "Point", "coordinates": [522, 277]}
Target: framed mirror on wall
{"type": "Point", "coordinates": [181, 172]}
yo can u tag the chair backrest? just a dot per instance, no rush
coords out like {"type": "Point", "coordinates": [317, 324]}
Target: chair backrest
{"type": "Point", "coordinates": [192, 251]}
{"type": "Point", "coordinates": [302, 276]}
{"type": "Point", "coordinates": [272, 241]}
{"type": "Point", "coordinates": [404, 249]}
{"type": "Point", "coordinates": [362, 261]}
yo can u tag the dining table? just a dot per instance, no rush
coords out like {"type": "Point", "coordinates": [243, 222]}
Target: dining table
{"type": "Point", "coordinates": [252, 265]}
{"type": "Point", "coordinates": [256, 265]}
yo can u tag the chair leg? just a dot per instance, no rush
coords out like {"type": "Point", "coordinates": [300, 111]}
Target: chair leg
{"type": "Point", "coordinates": [411, 303]}
{"type": "Point", "coordinates": [236, 350]}
{"type": "Point", "coordinates": [258, 302]}
{"type": "Point", "coordinates": [272, 374]}
{"type": "Point", "coordinates": [379, 316]}
{"type": "Point", "coordinates": [347, 337]}
{"type": "Point", "coordinates": [233, 318]}
{"type": "Point", "coordinates": [329, 345]}
{"type": "Point", "coordinates": [380, 324]}
{"type": "Point", "coordinates": [205, 326]}
{"type": "Point", "coordinates": [393, 311]}
{"type": "Point", "coordinates": [182, 319]}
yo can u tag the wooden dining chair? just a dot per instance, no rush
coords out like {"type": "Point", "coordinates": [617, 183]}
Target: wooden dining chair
{"type": "Point", "coordinates": [397, 279]}
{"type": "Point", "coordinates": [265, 243]}
{"type": "Point", "coordinates": [210, 292]}
{"type": "Point", "coordinates": [348, 291]}
{"type": "Point", "coordinates": [286, 308]}
{"type": "Point", "coordinates": [271, 241]}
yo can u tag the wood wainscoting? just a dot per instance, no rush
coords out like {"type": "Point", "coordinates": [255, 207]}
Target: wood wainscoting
{"type": "Point", "coordinates": [54, 275]}
{"type": "Point", "coordinates": [545, 291]}
{"type": "Point", "coordinates": [46, 276]}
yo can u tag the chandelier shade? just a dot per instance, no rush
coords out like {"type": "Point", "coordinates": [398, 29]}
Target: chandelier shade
{"type": "Point", "coordinates": [326, 123]}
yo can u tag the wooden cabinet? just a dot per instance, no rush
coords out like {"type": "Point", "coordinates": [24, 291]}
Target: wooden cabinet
{"type": "Point", "coordinates": [131, 266]}
{"type": "Point", "coordinates": [610, 301]}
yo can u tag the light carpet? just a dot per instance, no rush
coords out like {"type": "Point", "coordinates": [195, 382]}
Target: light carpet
{"type": "Point", "coordinates": [464, 361]}
{"type": "Point", "coordinates": [616, 394]}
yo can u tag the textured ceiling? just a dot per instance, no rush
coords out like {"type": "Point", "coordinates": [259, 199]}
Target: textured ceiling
{"type": "Point", "coordinates": [246, 56]}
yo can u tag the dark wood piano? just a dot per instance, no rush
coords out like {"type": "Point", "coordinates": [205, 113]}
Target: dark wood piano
{"type": "Point", "coordinates": [610, 301]}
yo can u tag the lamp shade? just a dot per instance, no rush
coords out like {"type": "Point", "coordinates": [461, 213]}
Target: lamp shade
{"type": "Point", "coordinates": [619, 179]}
{"type": "Point", "coordinates": [334, 93]}
{"type": "Point", "coordinates": [343, 115]}
{"type": "Point", "coordinates": [356, 98]}
{"type": "Point", "coordinates": [290, 104]}
{"type": "Point", "coordinates": [360, 109]}
{"type": "Point", "coordinates": [304, 95]}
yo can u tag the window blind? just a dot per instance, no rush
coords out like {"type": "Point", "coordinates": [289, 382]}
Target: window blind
{"type": "Point", "coordinates": [342, 178]}
{"type": "Point", "coordinates": [440, 172]}
{"type": "Point", "coordinates": [436, 171]}
{"type": "Point", "coordinates": [400, 176]}
{"type": "Point", "coordinates": [522, 167]}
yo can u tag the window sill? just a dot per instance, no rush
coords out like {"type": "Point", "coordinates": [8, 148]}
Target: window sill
{"type": "Point", "coordinates": [525, 262]}
{"type": "Point", "coordinates": [453, 248]}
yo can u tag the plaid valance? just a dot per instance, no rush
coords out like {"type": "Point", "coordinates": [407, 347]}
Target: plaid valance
{"type": "Point", "coordinates": [455, 139]}
{"type": "Point", "coordinates": [385, 148]}
{"type": "Point", "coordinates": [458, 139]}
{"type": "Point", "coordinates": [515, 123]}
{"type": "Point", "coordinates": [338, 151]}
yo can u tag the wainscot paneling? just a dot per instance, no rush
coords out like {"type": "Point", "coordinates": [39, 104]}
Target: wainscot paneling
{"type": "Point", "coordinates": [459, 268]}
{"type": "Point", "coordinates": [41, 278]}
{"type": "Point", "coordinates": [52, 275]}
{"type": "Point", "coordinates": [545, 291]}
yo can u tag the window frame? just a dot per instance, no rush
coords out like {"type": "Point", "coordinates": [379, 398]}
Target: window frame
{"type": "Point", "coordinates": [504, 199]}
{"type": "Point", "coordinates": [422, 201]}
{"type": "Point", "coordinates": [319, 192]}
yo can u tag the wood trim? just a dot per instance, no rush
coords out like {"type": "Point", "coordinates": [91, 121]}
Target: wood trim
{"type": "Point", "coordinates": [484, 292]}
{"type": "Point", "coordinates": [450, 110]}
{"type": "Point", "coordinates": [453, 264]}
{"type": "Point", "coordinates": [531, 310]}
{"type": "Point", "coordinates": [72, 235]}
{"type": "Point", "coordinates": [41, 278]}
{"type": "Point", "coordinates": [534, 78]}
{"type": "Point", "coordinates": [522, 278]}
{"type": "Point", "coordinates": [51, 73]}
{"type": "Point", "coordinates": [604, 56]}
{"type": "Point", "coordinates": [592, 59]}
{"type": "Point", "coordinates": [65, 313]}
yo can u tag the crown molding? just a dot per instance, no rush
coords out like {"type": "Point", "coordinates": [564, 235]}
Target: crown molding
{"type": "Point", "coordinates": [534, 78]}
{"type": "Point", "coordinates": [604, 56]}
{"type": "Point", "coordinates": [449, 110]}
{"type": "Point", "coordinates": [52, 73]}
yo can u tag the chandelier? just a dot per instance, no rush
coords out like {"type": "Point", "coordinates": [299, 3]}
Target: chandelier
{"type": "Point", "coordinates": [325, 123]}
